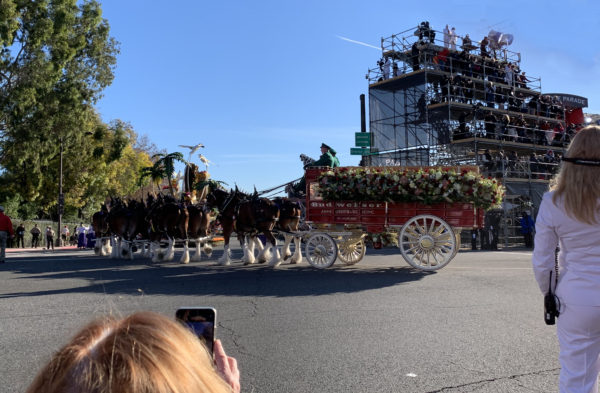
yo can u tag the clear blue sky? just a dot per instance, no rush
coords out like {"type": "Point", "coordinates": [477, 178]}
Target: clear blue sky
{"type": "Point", "coordinates": [259, 82]}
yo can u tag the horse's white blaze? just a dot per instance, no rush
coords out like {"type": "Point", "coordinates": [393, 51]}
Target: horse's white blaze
{"type": "Point", "coordinates": [185, 258]}
{"type": "Point", "coordinates": [297, 257]}
{"type": "Point", "coordinates": [226, 258]}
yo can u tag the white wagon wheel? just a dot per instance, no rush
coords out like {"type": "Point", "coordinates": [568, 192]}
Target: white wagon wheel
{"type": "Point", "coordinates": [427, 242]}
{"type": "Point", "coordinates": [320, 250]}
{"type": "Point", "coordinates": [351, 253]}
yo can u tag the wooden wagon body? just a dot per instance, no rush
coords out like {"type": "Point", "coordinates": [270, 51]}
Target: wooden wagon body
{"type": "Point", "coordinates": [429, 234]}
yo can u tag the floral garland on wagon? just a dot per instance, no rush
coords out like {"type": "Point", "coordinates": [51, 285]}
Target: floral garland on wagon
{"type": "Point", "coordinates": [423, 185]}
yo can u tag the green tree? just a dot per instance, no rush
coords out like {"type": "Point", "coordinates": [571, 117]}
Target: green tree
{"type": "Point", "coordinates": [56, 58]}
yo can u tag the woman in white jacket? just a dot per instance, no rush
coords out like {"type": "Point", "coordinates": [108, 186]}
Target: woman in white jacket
{"type": "Point", "coordinates": [569, 218]}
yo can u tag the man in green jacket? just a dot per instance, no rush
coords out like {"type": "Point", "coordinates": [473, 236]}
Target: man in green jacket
{"type": "Point", "coordinates": [326, 158]}
{"type": "Point", "coordinates": [336, 161]}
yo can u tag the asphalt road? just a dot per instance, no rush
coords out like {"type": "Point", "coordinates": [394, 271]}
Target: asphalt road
{"type": "Point", "coordinates": [379, 326]}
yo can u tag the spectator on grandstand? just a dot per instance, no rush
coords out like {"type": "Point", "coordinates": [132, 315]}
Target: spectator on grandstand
{"type": "Point", "coordinates": [386, 68]}
{"type": "Point", "coordinates": [534, 166]}
{"type": "Point", "coordinates": [453, 38]}
{"type": "Point", "coordinates": [468, 90]}
{"type": "Point", "coordinates": [440, 59]}
{"type": "Point", "coordinates": [512, 159]}
{"type": "Point", "coordinates": [501, 164]}
{"type": "Point", "coordinates": [509, 74]}
{"type": "Point", "coordinates": [545, 133]}
{"type": "Point", "coordinates": [483, 47]}
{"type": "Point", "coordinates": [488, 161]}
{"type": "Point", "coordinates": [522, 80]}
{"type": "Point", "coordinates": [490, 125]}
{"type": "Point", "coordinates": [463, 130]}
{"type": "Point", "coordinates": [467, 44]}
{"type": "Point", "coordinates": [490, 92]}
{"type": "Point", "coordinates": [446, 37]}
{"type": "Point", "coordinates": [559, 135]}
{"type": "Point", "coordinates": [414, 55]}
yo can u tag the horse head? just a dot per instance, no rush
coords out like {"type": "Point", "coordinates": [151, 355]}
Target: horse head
{"type": "Point", "coordinates": [216, 199]}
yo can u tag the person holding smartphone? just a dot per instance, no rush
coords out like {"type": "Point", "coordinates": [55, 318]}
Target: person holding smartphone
{"type": "Point", "coordinates": [144, 352]}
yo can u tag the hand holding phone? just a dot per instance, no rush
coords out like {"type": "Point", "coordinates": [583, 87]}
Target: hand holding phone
{"type": "Point", "coordinates": [202, 321]}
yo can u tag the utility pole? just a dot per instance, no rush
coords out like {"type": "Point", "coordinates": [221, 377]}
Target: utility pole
{"type": "Point", "coordinates": [61, 197]}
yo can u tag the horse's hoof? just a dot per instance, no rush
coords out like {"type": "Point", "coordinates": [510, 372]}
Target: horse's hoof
{"type": "Point", "coordinates": [286, 256]}
{"type": "Point", "coordinates": [275, 264]}
{"type": "Point", "coordinates": [295, 260]}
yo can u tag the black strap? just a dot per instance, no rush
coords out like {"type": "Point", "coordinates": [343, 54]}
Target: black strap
{"type": "Point", "coordinates": [556, 267]}
{"type": "Point", "coordinates": [582, 161]}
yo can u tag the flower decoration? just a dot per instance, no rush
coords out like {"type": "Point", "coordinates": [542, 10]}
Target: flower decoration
{"type": "Point", "coordinates": [424, 185]}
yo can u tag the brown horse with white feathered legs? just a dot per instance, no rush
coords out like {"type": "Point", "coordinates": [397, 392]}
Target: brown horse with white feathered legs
{"type": "Point", "coordinates": [246, 215]}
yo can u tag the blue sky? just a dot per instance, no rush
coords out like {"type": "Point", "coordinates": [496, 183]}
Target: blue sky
{"type": "Point", "coordinates": [261, 82]}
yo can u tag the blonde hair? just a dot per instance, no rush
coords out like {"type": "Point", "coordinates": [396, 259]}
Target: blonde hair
{"type": "Point", "coordinates": [579, 185]}
{"type": "Point", "coordinates": [145, 352]}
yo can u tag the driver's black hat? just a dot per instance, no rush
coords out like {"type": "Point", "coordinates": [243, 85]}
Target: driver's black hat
{"type": "Point", "coordinates": [325, 146]}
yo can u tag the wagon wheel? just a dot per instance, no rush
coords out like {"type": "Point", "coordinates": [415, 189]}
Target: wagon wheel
{"type": "Point", "coordinates": [320, 250]}
{"type": "Point", "coordinates": [427, 242]}
{"type": "Point", "coordinates": [350, 252]}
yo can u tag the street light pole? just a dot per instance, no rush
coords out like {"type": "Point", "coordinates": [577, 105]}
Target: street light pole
{"type": "Point", "coordinates": [61, 197]}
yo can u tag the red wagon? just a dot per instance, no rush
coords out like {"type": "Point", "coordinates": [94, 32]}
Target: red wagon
{"type": "Point", "coordinates": [428, 235]}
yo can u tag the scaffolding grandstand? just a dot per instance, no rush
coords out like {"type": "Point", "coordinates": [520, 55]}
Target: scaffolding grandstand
{"type": "Point", "coordinates": [434, 102]}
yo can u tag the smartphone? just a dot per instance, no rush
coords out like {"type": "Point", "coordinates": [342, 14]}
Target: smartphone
{"type": "Point", "coordinates": [202, 321]}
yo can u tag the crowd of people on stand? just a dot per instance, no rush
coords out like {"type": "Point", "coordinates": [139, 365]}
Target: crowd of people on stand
{"type": "Point", "coordinates": [510, 164]}
{"type": "Point", "coordinates": [484, 80]}
{"type": "Point", "coordinates": [516, 128]}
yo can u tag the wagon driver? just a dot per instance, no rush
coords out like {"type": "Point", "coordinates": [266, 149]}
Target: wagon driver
{"type": "Point", "coordinates": [327, 159]}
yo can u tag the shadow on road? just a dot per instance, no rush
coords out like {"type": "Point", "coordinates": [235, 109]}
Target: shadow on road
{"type": "Point", "coordinates": [103, 275]}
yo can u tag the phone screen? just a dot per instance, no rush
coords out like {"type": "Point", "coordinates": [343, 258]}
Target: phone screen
{"type": "Point", "coordinates": [202, 321]}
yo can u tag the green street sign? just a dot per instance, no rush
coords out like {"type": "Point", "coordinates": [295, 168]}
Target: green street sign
{"type": "Point", "coordinates": [362, 139]}
{"type": "Point", "coordinates": [359, 151]}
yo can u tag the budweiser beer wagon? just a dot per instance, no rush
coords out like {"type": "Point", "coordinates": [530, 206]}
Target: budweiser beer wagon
{"type": "Point", "coordinates": [427, 206]}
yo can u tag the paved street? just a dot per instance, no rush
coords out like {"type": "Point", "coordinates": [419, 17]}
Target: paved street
{"type": "Point", "coordinates": [379, 326]}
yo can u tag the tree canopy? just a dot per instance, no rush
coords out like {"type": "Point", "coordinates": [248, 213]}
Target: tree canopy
{"type": "Point", "coordinates": [56, 58]}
